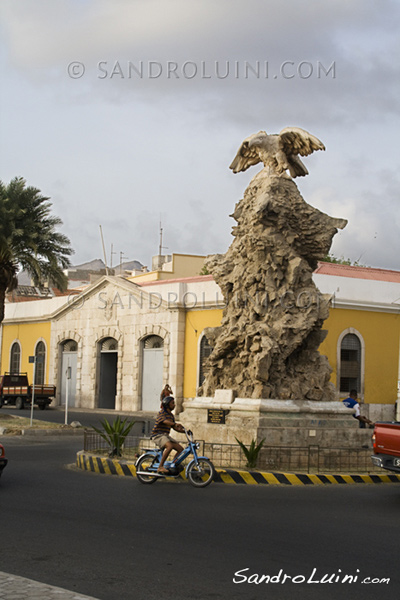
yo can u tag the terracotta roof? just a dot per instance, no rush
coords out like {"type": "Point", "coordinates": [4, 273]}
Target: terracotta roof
{"type": "Point", "coordinates": [57, 292]}
{"type": "Point", "coordinates": [12, 299]}
{"type": "Point", "coordinates": [325, 268]}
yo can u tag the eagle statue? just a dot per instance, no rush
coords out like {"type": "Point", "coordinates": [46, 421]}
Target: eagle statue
{"type": "Point", "coordinates": [279, 152]}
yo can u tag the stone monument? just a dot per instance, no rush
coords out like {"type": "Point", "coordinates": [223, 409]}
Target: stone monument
{"type": "Point", "coordinates": [267, 344]}
{"type": "Point", "coordinates": [265, 362]}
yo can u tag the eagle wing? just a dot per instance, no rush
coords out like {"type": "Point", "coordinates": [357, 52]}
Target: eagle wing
{"type": "Point", "coordinates": [294, 140]}
{"type": "Point", "coordinates": [245, 157]}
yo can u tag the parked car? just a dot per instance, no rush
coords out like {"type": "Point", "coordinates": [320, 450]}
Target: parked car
{"type": "Point", "coordinates": [15, 389]}
{"type": "Point", "coordinates": [386, 444]}
{"type": "Point", "coordinates": [3, 460]}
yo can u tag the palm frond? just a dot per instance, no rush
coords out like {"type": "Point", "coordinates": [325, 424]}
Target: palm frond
{"type": "Point", "coordinates": [28, 237]}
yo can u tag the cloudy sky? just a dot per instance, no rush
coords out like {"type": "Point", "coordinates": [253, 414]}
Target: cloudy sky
{"type": "Point", "coordinates": [128, 112]}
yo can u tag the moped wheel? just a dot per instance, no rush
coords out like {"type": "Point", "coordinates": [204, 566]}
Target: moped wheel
{"type": "Point", "coordinates": [201, 474]}
{"type": "Point", "coordinates": [144, 463]}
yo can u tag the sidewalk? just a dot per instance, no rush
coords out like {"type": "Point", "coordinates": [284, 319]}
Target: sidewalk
{"type": "Point", "coordinates": [19, 588]}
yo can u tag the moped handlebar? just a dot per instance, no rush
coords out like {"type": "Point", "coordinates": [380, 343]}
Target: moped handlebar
{"type": "Point", "coordinates": [188, 433]}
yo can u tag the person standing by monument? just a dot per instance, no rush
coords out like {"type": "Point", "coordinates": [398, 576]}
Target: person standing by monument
{"type": "Point", "coordinates": [352, 402]}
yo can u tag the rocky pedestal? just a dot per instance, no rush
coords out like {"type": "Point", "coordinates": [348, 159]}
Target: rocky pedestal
{"type": "Point", "coordinates": [283, 423]}
{"type": "Point", "coordinates": [267, 344]}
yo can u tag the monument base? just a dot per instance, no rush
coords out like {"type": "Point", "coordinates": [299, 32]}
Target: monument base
{"type": "Point", "coordinates": [283, 423]}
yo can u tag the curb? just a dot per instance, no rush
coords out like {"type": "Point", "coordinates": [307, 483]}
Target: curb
{"type": "Point", "coordinates": [14, 586]}
{"type": "Point", "coordinates": [55, 431]}
{"type": "Point", "coordinates": [126, 468]}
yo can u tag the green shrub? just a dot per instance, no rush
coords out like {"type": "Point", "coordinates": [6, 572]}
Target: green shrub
{"type": "Point", "coordinates": [251, 453]}
{"type": "Point", "coordinates": [114, 434]}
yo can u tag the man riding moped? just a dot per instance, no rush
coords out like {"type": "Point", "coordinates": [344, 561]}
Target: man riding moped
{"type": "Point", "coordinates": [165, 421]}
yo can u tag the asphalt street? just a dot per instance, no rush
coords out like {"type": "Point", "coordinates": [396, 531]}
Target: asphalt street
{"type": "Point", "coordinates": [115, 539]}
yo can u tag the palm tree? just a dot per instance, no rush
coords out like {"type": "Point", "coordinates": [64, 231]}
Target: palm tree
{"type": "Point", "coordinates": [28, 239]}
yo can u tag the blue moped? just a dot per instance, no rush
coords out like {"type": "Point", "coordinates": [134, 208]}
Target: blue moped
{"type": "Point", "coordinates": [200, 471]}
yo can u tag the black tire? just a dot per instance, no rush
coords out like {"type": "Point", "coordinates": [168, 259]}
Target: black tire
{"type": "Point", "coordinates": [143, 464]}
{"type": "Point", "coordinates": [42, 406]}
{"type": "Point", "coordinates": [19, 403]}
{"type": "Point", "coordinates": [1, 402]}
{"type": "Point", "coordinates": [201, 475]}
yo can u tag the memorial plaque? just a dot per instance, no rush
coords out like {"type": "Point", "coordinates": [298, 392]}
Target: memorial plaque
{"type": "Point", "coordinates": [216, 415]}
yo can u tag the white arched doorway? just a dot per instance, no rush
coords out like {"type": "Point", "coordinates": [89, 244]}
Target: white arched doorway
{"type": "Point", "coordinates": [152, 372]}
{"type": "Point", "coordinates": [69, 360]}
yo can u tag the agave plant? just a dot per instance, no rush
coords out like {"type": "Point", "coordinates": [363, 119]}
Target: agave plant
{"type": "Point", "coordinates": [115, 433]}
{"type": "Point", "coordinates": [251, 453]}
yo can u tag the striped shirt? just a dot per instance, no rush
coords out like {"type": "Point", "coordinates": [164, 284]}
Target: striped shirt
{"type": "Point", "coordinates": [160, 425]}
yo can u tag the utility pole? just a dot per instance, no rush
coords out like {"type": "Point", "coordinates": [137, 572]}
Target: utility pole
{"type": "Point", "coordinates": [104, 249]}
{"type": "Point", "coordinates": [121, 256]}
{"type": "Point", "coordinates": [112, 253]}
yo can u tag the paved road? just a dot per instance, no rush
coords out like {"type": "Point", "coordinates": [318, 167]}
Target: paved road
{"type": "Point", "coordinates": [115, 539]}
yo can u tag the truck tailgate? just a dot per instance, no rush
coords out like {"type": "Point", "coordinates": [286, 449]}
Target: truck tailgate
{"type": "Point", "coordinates": [43, 390]}
{"type": "Point", "coordinates": [387, 437]}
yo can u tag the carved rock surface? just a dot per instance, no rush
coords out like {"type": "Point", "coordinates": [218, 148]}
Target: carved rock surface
{"type": "Point", "coordinates": [267, 344]}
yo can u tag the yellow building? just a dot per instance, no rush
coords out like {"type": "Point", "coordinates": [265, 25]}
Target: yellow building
{"type": "Point", "coordinates": [26, 332]}
{"type": "Point", "coordinates": [362, 344]}
{"type": "Point", "coordinates": [174, 266]}
{"type": "Point", "coordinates": [168, 315]}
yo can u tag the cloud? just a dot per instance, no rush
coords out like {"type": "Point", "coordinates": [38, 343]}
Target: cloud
{"type": "Point", "coordinates": [319, 64]}
{"type": "Point", "coordinates": [123, 150]}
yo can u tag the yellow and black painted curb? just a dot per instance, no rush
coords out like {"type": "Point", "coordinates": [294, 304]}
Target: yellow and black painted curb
{"type": "Point", "coordinates": [113, 466]}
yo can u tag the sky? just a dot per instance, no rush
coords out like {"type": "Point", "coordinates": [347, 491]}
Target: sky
{"type": "Point", "coordinates": [128, 113]}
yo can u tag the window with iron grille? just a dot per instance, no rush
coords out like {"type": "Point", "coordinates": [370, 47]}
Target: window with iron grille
{"type": "Point", "coordinates": [350, 363]}
{"type": "Point", "coordinates": [15, 358]}
{"type": "Point", "coordinates": [205, 351]}
{"type": "Point", "coordinates": [40, 354]}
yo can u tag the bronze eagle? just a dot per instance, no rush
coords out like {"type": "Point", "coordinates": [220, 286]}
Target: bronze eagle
{"type": "Point", "coordinates": [279, 152]}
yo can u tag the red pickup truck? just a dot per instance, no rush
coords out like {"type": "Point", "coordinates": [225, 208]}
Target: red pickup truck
{"type": "Point", "coordinates": [3, 460]}
{"type": "Point", "coordinates": [15, 389]}
{"type": "Point", "coordinates": [386, 444]}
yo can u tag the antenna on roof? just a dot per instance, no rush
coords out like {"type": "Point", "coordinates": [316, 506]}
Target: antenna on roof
{"type": "Point", "coordinates": [161, 247]}
{"type": "Point", "coordinates": [104, 250]}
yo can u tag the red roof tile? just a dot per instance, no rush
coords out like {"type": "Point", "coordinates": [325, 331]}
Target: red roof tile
{"type": "Point", "coordinates": [325, 268]}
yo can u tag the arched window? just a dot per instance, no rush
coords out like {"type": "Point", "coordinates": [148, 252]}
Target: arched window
{"type": "Point", "coordinates": [205, 351]}
{"type": "Point", "coordinates": [109, 345]}
{"type": "Point", "coordinates": [69, 346]}
{"type": "Point", "coordinates": [154, 341]}
{"type": "Point", "coordinates": [15, 358]}
{"type": "Point", "coordinates": [350, 363]}
{"type": "Point", "coordinates": [40, 355]}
